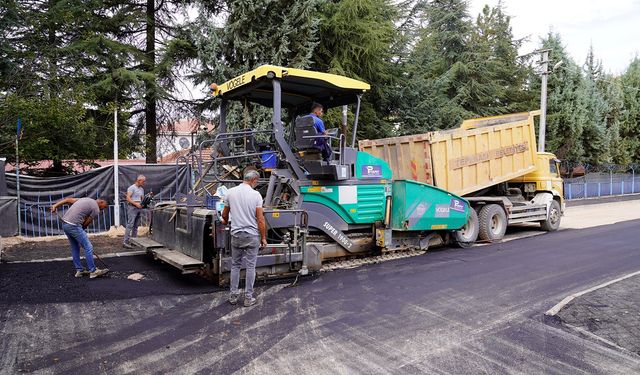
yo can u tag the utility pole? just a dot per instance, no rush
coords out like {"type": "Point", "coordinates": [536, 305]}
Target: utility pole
{"type": "Point", "coordinates": [116, 199]}
{"type": "Point", "coordinates": [544, 62]}
{"type": "Point", "coordinates": [18, 132]}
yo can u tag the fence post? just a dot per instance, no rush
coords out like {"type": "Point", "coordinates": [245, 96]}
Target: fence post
{"type": "Point", "coordinates": [633, 178]}
{"type": "Point", "coordinates": [599, 189]}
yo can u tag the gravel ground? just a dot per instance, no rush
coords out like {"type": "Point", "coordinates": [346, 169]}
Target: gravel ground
{"type": "Point", "coordinates": [25, 249]}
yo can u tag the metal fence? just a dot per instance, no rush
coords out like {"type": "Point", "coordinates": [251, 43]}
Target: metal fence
{"type": "Point", "coordinates": [583, 180]}
{"type": "Point", "coordinates": [594, 189]}
{"type": "Point", "coordinates": [37, 220]}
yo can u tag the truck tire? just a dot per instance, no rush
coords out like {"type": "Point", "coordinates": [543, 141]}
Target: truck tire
{"type": "Point", "coordinates": [467, 235]}
{"type": "Point", "coordinates": [553, 220]}
{"type": "Point", "coordinates": [492, 222]}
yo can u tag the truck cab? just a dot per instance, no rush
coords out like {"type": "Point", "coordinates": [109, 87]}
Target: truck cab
{"type": "Point", "coordinates": [545, 178]}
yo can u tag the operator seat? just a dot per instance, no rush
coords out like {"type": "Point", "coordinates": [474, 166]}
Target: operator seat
{"type": "Point", "coordinates": [311, 157]}
{"type": "Point", "coordinates": [304, 131]}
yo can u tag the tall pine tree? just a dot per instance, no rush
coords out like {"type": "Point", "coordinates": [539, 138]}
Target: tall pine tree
{"type": "Point", "coordinates": [630, 126]}
{"type": "Point", "coordinates": [566, 106]}
{"type": "Point", "coordinates": [499, 77]}
{"type": "Point", "coordinates": [254, 33]}
{"type": "Point", "coordinates": [355, 40]}
{"type": "Point", "coordinates": [48, 77]}
{"type": "Point", "coordinates": [438, 71]}
{"type": "Point", "coordinates": [596, 138]}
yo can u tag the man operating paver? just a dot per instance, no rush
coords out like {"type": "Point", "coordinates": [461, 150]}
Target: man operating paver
{"type": "Point", "coordinates": [321, 143]}
{"type": "Point", "coordinates": [135, 196]}
{"type": "Point", "coordinates": [74, 222]}
{"type": "Point", "coordinates": [248, 233]}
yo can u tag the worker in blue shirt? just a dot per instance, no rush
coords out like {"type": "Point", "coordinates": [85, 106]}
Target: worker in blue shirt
{"type": "Point", "coordinates": [320, 143]}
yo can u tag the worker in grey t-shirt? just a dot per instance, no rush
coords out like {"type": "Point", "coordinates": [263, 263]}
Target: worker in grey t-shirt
{"type": "Point", "coordinates": [74, 222]}
{"type": "Point", "coordinates": [135, 195]}
{"type": "Point", "coordinates": [248, 233]}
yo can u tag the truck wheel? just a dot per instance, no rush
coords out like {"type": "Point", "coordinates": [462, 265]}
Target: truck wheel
{"type": "Point", "coordinates": [493, 223]}
{"type": "Point", "coordinates": [553, 221]}
{"type": "Point", "coordinates": [467, 235]}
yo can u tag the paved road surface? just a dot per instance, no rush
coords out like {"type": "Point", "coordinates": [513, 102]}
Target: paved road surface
{"type": "Point", "coordinates": [454, 311]}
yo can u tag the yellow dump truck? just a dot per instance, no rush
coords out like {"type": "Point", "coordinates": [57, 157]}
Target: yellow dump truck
{"type": "Point", "coordinates": [492, 162]}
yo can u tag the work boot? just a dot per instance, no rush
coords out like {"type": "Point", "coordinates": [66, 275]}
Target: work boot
{"type": "Point", "coordinates": [233, 298]}
{"type": "Point", "coordinates": [82, 273]}
{"type": "Point", "coordinates": [127, 245]}
{"type": "Point", "coordinates": [98, 272]}
{"type": "Point", "coordinates": [249, 301]}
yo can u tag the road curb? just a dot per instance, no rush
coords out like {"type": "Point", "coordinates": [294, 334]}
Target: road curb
{"type": "Point", "coordinates": [109, 255]}
{"type": "Point", "coordinates": [552, 312]}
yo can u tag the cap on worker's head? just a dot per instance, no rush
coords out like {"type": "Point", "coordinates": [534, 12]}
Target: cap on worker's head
{"type": "Point", "coordinates": [315, 105]}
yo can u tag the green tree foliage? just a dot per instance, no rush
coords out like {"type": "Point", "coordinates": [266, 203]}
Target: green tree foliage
{"type": "Point", "coordinates": [596, 136]}
{"type": "Point", "coordinates": [499, 80]}
{"type": "Point", "coordinates": [355, 40]}
{"type": "Point", "coordinates": [630, 125]}
{"type": "Point", "coordinates": [430, 64]}
{"type": "Point", "coordinates": [153, 44]}
{"type": "Point", "coordinates": [459, 69]}
{"type": "Point", "coordinates": [48, 60]}
{"type": "Point", "coordinates": [437, 70]}
{"type": "Point", "coordinates": [54, 128]}
{"type": "Point", "coordinates": [254, 33]}
{"type": "Point", "coordinates": [566, 105]}
{"type": "Point", "coordinates": [115, 52]}
{"type": "Point", "coordinates": [612, 93]}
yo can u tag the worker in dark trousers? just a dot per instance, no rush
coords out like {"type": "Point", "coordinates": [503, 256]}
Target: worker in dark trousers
{"type": "Point", "coordinates": [248, 233]}
{"type": "Point", "coordinates": [135, 195]}
{"type": "Point", "coordinates": [74, 223]}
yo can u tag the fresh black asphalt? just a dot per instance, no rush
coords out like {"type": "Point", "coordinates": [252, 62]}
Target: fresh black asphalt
{"type": "Point", "coordinates": [463, 311]}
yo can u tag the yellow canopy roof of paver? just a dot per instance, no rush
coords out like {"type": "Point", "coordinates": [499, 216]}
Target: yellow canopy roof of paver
{"type": "Point", "coordinates": [299, 87]}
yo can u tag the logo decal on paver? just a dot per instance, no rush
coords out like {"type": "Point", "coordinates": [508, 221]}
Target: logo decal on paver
{"type": "Point", "coordinates": [442, 210]}
{"type": "Point", "coordinates": [371, 171]}
{"type": "Point", "coordinates": [457, 205]}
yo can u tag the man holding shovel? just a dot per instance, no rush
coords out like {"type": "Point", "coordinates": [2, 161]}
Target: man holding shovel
{"type": "Point", "coordinates": [74, 222]}
{"type": "Point", "coordinates": [135, 199]}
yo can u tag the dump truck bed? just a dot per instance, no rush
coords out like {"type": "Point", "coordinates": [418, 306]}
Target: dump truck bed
{"type": "Point", "coordinates": [477, 155]}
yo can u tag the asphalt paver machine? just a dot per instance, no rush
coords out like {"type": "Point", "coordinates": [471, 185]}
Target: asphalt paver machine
{"type": "Point", "coordinates": [316, 211]}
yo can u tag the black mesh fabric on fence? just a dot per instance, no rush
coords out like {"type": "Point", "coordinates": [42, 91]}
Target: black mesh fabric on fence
{"type": "Point", "coordinates": [37, 194]}
{"type": "Point", "coordinates": [8, 216]}
{"type": "Point", "coordinates": [8, 208]}
{"type": "Point", "coordinates": [3, 181]}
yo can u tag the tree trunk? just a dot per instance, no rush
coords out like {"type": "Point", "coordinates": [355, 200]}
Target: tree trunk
{"type": "Point", "coordinates": [53, 58]}
{"type": "Point", "coordinates": [150, 96]}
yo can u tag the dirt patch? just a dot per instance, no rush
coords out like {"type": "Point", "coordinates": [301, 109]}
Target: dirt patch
{"type": "Point", "coordinates": [19, 249]}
